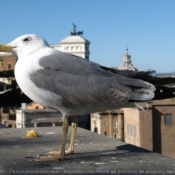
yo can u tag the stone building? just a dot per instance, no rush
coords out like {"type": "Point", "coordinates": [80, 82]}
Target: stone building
{"type": "Point", "coordinates": [127, 63]}
{"type": "Point", "coordinates": [37, 117]}
{"type": "Point", "coordinates": [74, 44]}
{"type": "Point", "coordinates": [109, 123]}
{"type": "Point", "coordinates": [152, 129]}
{"type": "Point", "coordinates": [8, 117]}
{"type": "Point", "coordinates": [7, 63]}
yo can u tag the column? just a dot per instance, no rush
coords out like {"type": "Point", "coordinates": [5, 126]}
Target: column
{"type": "Point", "coordinates": [120, 126]}
{"type": "Point", "coordinates": [111, 125]}
{"type": "Point", "coordinates": [99, 124]}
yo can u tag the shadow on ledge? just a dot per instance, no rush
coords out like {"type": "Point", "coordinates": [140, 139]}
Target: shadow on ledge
{"type": "Point", "coordinates": [132, 148]}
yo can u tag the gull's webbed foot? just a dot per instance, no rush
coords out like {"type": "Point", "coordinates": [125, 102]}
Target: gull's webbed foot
{"type": "Point", "coordinates": [57, 155]}
{"type": "Point", "coordinates": [48, 157]}
{"type": "Point", "coordinates": [68, 152]}
{"type": "Point", "coordinates": [53, 152]}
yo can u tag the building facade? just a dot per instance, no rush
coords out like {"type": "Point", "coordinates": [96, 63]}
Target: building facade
{"type": "Point", "coordinates": [7, 63]}
{"type": "Point", "coordinates": [152, 129]}
{"type": "Point", "coordinates": [108, 123]}
{"type": "Point", "coordinates": [74, 44]}
{"type": "Point", "coordinates": [127, 63]}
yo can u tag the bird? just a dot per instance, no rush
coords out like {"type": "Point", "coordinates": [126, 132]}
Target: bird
{"type": "Point", "coordinates": [73, 85]}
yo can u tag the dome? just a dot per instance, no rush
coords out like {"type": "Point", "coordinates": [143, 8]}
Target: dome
{"type": "Point", "coordinates": [127, 63]}
{"type": "Point", "coordinates": [74, 39]}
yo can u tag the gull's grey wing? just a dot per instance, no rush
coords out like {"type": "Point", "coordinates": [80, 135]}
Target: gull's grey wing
{"type": "Point", "coordinates": [83, 83]}
{"type": "Point", "coordinates": [64, 62]}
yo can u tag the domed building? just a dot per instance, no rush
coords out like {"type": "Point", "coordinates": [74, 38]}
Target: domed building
{"type": "Point", "coordinates": [127, 63]}
{"type": "Point", "coordinates": [74, 44]}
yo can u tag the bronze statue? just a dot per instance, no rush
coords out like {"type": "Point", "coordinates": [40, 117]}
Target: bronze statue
{"type": "Point", "coordinates": [74, 32]}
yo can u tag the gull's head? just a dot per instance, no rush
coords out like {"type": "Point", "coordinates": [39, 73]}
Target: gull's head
{"type": "Point", "coordinates": [24, 45]}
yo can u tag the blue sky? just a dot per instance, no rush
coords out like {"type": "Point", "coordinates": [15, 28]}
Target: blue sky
{"type": "Point", "coordinates": [147, 27]}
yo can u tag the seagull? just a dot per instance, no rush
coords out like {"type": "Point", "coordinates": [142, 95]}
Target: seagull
{"type": "Point", "coordinates": [70, 84]}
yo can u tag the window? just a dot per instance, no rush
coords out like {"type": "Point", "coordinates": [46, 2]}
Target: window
{"type": "Point", "coordinates": [115, 135]}
{"type": "Point", "coordinates": [105, 123]}
{"type": "Point", "coordinates": [128, 128]}
{"type": "Point", "coordinates": [9, 65]}
{"type": "Point", "coordinates": [115, 124]}
{"type": "Point", "coordinates": [134, 131]}
{"type": "Point", "coordinates": [105, 133]}
{"type": "Point", "coordinates": [168, 119]}
{"type": "Point", "coordinates": [131, 130]}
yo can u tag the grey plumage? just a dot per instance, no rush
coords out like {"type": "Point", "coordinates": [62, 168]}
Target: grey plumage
{"type": "Point", "coordinates": [84, 84]}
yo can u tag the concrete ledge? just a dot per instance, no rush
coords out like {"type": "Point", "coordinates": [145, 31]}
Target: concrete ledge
{"type": "Point", "coordinates": [94, 154]}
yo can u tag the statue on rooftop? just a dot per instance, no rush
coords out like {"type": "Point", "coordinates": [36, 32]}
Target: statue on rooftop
{"type": "Point", "coordinates": [74, 32]}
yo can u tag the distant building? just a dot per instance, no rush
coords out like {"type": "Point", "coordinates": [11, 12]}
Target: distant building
{"type": "Point", "coordinates": [127, 63]}
{"type": "Point", "coordinates": [74, 44]}
{"type": "Point", "coordinates": [153, 130]}
{"type": "Point", "coordinates": [7, 63]}
{"type": "Point", "coordinates": [8, 117]}
{"type": "Point", "coordinates": [108, 123]}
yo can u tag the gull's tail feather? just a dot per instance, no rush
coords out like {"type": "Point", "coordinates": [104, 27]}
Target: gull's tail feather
{"type": "Point", "coordinates": [142, 95]}
{"type": "Point", "coordinates": [140, 90]}
{"type": "Point", "coordinates": [164, 83]}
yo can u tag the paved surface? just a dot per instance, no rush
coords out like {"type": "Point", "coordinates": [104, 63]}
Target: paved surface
{"type": "Point", "coordinates": [94, 154]}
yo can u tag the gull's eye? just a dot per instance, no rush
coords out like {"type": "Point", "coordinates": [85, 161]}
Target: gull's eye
{"type": "Point", "coordinates": [26, 40]}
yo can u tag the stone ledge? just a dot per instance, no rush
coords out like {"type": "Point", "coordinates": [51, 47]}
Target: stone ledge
{"type": "Point", "coordinates": [94, 154]}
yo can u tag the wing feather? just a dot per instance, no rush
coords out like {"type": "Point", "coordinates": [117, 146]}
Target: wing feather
{"type": "Point", "coordinates": [84, 83]}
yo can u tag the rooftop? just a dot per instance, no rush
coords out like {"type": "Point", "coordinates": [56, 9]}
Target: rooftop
{"type": "Point", "coordinates": [127, 63]}
{"type": "Point", "coordinates": [74, 39]}
{"type": "Point", "coordinates": [94, 154]}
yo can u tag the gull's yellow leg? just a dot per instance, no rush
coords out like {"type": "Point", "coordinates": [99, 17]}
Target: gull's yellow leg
{"type": "Point", "coordinates": [57, 155]}
{"type": "Point", "coordinates": [65, 129]}
{"type": "Point", "coordinates": [71, 147]}
{"type": "Point", "coordinates": [74, 129]}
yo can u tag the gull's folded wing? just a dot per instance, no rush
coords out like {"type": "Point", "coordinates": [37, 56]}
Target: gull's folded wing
{"type": "Point", "coordinates": [81, 82]}
{"type": "Point", "coordinates": [164, 82]}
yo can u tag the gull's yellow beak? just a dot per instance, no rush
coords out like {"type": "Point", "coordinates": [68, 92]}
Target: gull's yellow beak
{"type": "Point", "coordinates": [6, 48]}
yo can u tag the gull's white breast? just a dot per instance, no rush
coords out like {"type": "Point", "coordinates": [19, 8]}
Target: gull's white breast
{"type": "Point", "coordinates": [24, 67]}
